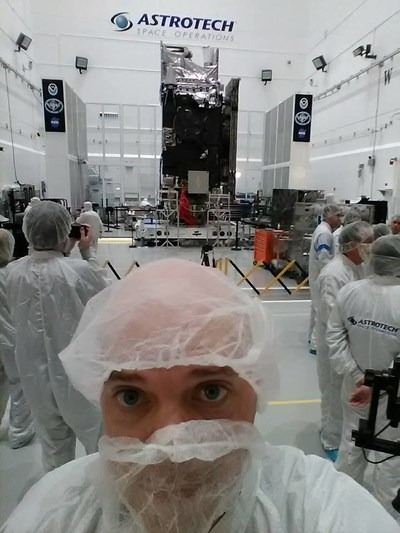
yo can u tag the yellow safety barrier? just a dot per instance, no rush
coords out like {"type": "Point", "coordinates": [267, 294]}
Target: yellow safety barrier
{"type": "Point", "coordinates": [110, 266]}
{"type": "Point", "coordinates": [279, 276]}
{"type": "Point", "coordinates": [301, 285]}
{"type": "Point", "coordinates": [222, 264]}
{"type": "Point", "coordinates": [251, 271]}
{"type": "Point", "coordinates": [133, 265]}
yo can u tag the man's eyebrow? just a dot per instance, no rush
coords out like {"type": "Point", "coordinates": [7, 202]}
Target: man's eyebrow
{"type": "Point", "coordinates": [121, 375]}
{"type": "Point", "coordinates": [213, 371]}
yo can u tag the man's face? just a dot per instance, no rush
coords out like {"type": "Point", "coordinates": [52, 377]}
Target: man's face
{"type": "Point", "coordinates": [136, 404]}
{"type": "Point", "coordinates": [335, 221]}
{"type": "Point", "coordinates": [395, 226]}
{"type": "Point", "coordinates": [361, 253]}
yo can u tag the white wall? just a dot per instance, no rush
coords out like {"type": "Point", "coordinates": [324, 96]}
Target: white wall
{"type": "Point", "coordinates": [124, 68]}
{"type": "Point", "coordinates": [26, 114]}
{"type": "Point", "coordinates": [363, 118]}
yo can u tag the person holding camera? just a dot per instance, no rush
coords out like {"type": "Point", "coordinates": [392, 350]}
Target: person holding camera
{"type": "Point", "coordinates": [92, 219]}
{"type": "Point", "coordinates": [47, 293]}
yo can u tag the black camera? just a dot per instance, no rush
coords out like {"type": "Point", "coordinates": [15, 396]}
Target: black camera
{"type": "Point", "coordinates": [207, 248]}
{"type": "Point", "coordinates": [75, 232]}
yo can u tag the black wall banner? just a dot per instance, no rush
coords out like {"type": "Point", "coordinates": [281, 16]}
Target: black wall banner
{"type": "Point", "coordinates": [53, 104]}
{"type": "Point", "coordinates": [302, 118]}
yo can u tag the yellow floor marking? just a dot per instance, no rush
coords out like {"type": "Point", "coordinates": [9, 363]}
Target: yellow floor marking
{"type": "Point", "coordinates": [294, 402]}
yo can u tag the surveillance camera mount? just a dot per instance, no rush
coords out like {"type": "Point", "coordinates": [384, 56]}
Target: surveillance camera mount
{"type": "Point", "coordinates": [367, 52]}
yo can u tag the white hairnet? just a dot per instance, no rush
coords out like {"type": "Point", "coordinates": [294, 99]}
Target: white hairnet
{"type": "Point", "coordinates": [385, 256]}
{"type": "Point", "coordinates": [35, 200]}
{"type": "Point", "coordinates": [330, 210]}
{"type": "Point", "coordinates": [87, 206]}
{"type": "Point", "coordinates": [395, 217]}
{"type": "Point", "coordinates": [46, 225]}
{"type": "Point", "coordinates": [351, 216]}
{"type": "Point", "coordinates": [7, 243]}
{"type": "Point", "coordinates": [380, 230]}
{"type": "Point", "coordinates": [171, 313]}
{"type": "Point", "coordinates": [355, 234]}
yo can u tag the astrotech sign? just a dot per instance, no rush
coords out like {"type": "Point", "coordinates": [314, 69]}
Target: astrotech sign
{"type": "Point", "coordinates": [379, 327]}
{"type": "Point", "coordinates": [158, 25]}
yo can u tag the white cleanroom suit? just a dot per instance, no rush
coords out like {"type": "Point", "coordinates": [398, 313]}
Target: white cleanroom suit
{"type": "Point", "coordinates": [21, 428]}
{"type": "Point", "coordinates": [364, 333]}
{"type": "Point", "coordinates": [338, 273]}
{"type": "Point", "coordinates": [47, 294]}
{"type": "Point", "coordinates": [294, 493]}
{"type": "Point", "coordinates": [322, 250]}
{"type": "Point", "coordinates": [343, 269]}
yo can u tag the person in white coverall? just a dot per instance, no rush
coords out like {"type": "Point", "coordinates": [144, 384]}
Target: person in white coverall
{"type": "Point", "coordinates": [92, 219]}
{"type": "Point", "coordinates": [34, 201]}
{"type": "Point", "coordinates": [351, 216]}
{"type": "Point", "coordinates": [180, 360]}
{"type": "Point", "coordinates": [21, 428]}
{"type": "Point", "coordinates": [354, 240]}
{"type": "Point", "coordinates": [380, 230]}
{"type": "Point", "coordinates": [395, 224]}
{"type": "Point", "coordinates": [322, 250]}
{"type": "Point", "coordinates": [47, 293]}
{"type": "Point", "coordinates": [364, 333]}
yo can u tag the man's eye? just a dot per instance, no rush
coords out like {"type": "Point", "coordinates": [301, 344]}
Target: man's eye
{"type": "Point", "coordinates": [129, 397]}
{"type": "Point", "coordinates": [213, 393]}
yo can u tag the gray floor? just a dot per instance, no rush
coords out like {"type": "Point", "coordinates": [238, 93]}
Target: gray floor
{"type": "Point", "coordinates": [293, 418]}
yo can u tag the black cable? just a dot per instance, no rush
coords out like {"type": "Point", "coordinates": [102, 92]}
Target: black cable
{"type": "Point", "coordinates": [377, 462]}
{"type": "Point", "coordinates": [11, 128]}
{"type": "Point", "coordinates": [383, 460]}
{"type": "Point", "coordinates": [39, 100]}
{"type": "Point", "coordinates": [375, 131]}
{"type": "Point", "coordinates": [382, 430]}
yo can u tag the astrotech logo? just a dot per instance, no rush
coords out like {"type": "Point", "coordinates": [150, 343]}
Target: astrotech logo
{"type": "Point", "coordinates": [379, 327]}
{"type": "Point", "coordinates": [123, 22]}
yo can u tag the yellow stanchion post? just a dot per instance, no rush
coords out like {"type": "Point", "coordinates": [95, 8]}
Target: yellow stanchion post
{"type": "Point", "coordinates": [226, 266]}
